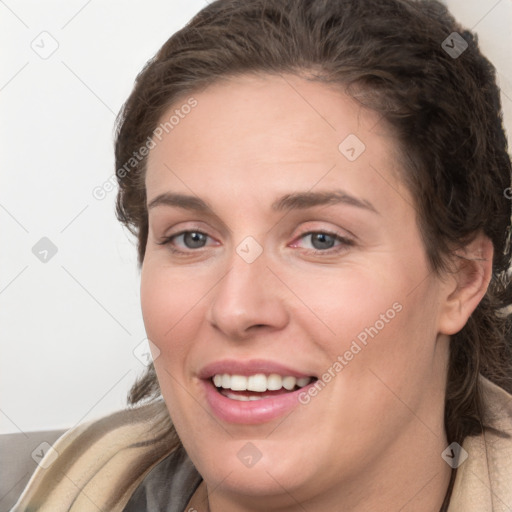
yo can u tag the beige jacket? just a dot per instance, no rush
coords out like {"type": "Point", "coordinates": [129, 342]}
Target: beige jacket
{"type": "Point", "coordinates": [100, 464]}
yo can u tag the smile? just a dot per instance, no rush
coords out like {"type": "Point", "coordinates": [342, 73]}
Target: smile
{"type": "Point", "coordinates": [258, 386]}
{"type": "Point", "coordinates": [254, 391]}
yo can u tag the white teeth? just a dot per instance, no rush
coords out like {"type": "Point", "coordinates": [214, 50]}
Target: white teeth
{"type": "Point", "coordinates": [226, 381]}
{"type": "Point", "coordinates": [303, 381]}
{"type": "Point", "coordinates": [274, 382]}
{"type": "Point", "coordinates": [259, 382]}
{"type": "Point", "coordinates": [242, 398]}
{"type": "Point", "coordinates": [289, 383]}
{"type": "Point", "coordinates": [238, 383]}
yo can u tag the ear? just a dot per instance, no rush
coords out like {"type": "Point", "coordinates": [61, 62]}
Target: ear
{"type": "Point", "coordinates": [466, 287]}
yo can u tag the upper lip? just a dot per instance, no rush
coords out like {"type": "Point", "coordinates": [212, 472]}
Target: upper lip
{"type": "Point", "coordinates": [249, 367]}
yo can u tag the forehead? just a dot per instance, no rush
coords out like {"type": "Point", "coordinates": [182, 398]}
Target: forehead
{"type": "Point", "coordinates": [279, 130]}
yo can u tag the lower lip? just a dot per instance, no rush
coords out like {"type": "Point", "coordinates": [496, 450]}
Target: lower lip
{"type": "Point", "coordinates": [254, 411]}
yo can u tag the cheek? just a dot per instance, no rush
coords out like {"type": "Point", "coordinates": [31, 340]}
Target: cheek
{"type": "Point", "coordinates": [168, 304]}
{"type": "Point", "coordinates": [171, 310]}
{"type": "Point", "coordinates": [380, 319]}
{"type": "Point", "coordinates": [158, 307]}
{"type": "Point", "coordinates": [395, 358]}
{"type": "Point", "coordinates": [352, 303]}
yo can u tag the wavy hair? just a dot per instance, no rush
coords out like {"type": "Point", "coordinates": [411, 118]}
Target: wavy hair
{"type": "Point", "coordinates": [389, 55]}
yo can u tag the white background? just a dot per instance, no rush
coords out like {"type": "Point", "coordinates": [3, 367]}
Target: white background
{"type": "Point", "coordinates": [68, 327]}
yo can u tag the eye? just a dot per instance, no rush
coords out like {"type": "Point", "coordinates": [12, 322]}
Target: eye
{"type": "Point", "coordinates": [325, 242]}
{"type": "Point", "coordinates": [189, 240]}
{"type": "Point", "coordinates": [319, 241]}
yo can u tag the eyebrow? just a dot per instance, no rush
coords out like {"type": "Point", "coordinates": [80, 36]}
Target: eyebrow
{"type": "Point", "coordinates": [295, 201]}
{"type": "Point", "coordinates": [303, 200]}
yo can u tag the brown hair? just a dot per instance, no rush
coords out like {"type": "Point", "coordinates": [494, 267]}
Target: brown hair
{"type": "Point", "coordinates": [444, 108]}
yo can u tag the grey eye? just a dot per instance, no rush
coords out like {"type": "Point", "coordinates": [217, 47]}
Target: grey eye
{"type": "Point", "coordinates": [194, 239]}
{"type": "Point", "coordinates": [322, 240]}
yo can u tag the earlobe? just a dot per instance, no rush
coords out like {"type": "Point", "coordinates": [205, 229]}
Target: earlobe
{"type": "Point", "coordinates": [467, 285]}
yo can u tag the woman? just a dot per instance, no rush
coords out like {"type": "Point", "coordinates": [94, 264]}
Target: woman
{"type": "Point", "coordinates": [318, 193]}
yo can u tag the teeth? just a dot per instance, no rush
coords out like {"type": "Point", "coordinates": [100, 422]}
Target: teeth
{"type": "Point", "coordinates": [289, 383]}
{"type": "Point", "coordinates": [258, 382]}
{"type": "Point", "coordinates": [274, 382]}
{"type": "Point", "coordinates": [242, 398]}
{"type": "Point", "coordinates": [238, 383]}
{"type": "Point", "coordinates": [303, 381]}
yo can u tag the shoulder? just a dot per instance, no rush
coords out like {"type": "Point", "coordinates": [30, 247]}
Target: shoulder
{"type": "Point", "coordinates": [484, 478]}
{"type": "Point", "coordinates": [98, 465]}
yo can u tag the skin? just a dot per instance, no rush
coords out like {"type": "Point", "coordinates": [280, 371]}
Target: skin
{"type": "Point", "coordinates": [372, 438]}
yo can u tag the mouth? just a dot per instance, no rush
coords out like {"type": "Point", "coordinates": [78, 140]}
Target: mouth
{"type": "Point", "coordinates": [253, 391]}
{"type": "Point", "coordinates": [259, 386]}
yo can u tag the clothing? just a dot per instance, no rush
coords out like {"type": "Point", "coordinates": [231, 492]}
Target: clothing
{"type": "Point", "coordinates": [160, 493]}
{"type": "Point", "coordinates": [100, 464]}
{"type": "Point", "coordinates": [484, 480]}
{"type": "Point", "coordinates": [131, 461]}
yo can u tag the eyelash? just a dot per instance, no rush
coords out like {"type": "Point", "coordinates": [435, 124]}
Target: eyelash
{"type": "Point", "coordinates": [344, 242]}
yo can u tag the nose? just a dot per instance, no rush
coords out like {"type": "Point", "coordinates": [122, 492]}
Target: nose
{"type": "Point", "coordinates": [247, 299]}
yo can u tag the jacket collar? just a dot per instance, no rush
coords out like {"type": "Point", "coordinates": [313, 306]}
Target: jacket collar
{"type": "Point", "coordinates": [484, 480]}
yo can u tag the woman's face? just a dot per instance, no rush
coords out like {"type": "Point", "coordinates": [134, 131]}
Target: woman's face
{"type": "Point", "coordinates": [301, 258]}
